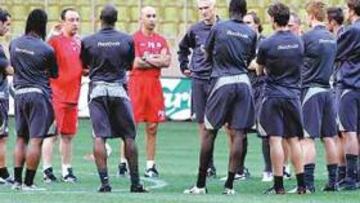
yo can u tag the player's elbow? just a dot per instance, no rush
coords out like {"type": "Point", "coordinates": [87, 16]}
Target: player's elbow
{"type": "Point", "coordinates": [167, 62]}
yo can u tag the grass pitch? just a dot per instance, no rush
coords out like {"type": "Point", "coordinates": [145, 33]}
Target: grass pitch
{"type": "Point", "coordinates": [177, 162]}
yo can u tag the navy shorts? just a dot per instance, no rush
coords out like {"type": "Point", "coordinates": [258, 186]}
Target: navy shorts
{"type": "Point", "coordinates": [4, 118]}
{"type": "Point", "coordinates": [112, 117]}
{"type": "Point", "coordinates": [34, 115]}
{"type": "Point", "coordinates": [258, 97]}
{"type": "Point", "coordinates": [281, 117]}
{"type": "Point", "coordinates": [199, 94]}
{"type": "Point", "coordinates": [319, 113]}
{"type": "Point", "coordinates": [231, 102]}
{"type": "Point", "coordinates": [349, 111]}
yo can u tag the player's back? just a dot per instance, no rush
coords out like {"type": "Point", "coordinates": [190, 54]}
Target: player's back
{"type": "Point", "coordinates": [33, 61]}
{"type": "Point", "coordinates": [320, 51]}
{"type": "Point", "coordinates": [108, 54]}
{"type": "Point", "coordinates": [282, 55]}
{"type": "Point", "coordinates": [348, 55]}
{"type": "Point", "coordinates": [232, 45]}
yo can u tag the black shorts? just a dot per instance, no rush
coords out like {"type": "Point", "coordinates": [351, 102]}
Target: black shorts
{"type": "Point", "coordinates": [199, 94]}
{"type": "Point", "coordinates": [112, 117]}
{"type": "Point", "coordinates": [231, 102]}
{"type": "Point", "coordinates": [281, 117]}
{"type": "Point", "coordinates": [319, 113]}
{"type": "Point", "coordinates": [349, 111]}
{"type": "Point", "coordinates": [34, 115]}
{"type": "Point", "coordinates": [4, 118]}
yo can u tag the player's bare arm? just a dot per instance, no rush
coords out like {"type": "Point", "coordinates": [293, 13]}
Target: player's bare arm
{"type": "Point", "coordinates": [9, 70]}
{"type": "Point", "coordinates": [259, 68]}
{"type": "Point", "coordinates": [161, 60]}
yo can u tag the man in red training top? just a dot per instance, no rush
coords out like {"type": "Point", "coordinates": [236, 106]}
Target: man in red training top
{"type": "Point", "coordinates": [152, 54]}
{"type": "Point", "coordinates": [66, 91]}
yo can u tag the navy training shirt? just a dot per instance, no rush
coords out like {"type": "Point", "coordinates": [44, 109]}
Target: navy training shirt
{"type": "Point", "coordinates": [34, 62]}
{"type": "Point", "coordinates": [282, 54]}
{"type": "Point", "coordinates": [109, 54]}
{"type": "Point", "coordinates": [348, 57]}
{"type": "Point", "coordinates": [320, 52]}
{"type": "Point", "coordinates": [231, 46]}
{"type": "Point", "coordinates": [195, 39]}
{"type": "Point", "coordinates": [257, 81]}
{"type": "Point", "coordinates": [4, 63]}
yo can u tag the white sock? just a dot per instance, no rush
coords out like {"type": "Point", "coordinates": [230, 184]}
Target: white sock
{"type": "Point", "coordinates": [150, 164]}
{"type": "Point", "coordinates": [64, 169]}
{"type": "Point", "coordinates": [46, 166]}
{"type": "Point", "coordinates": [123, 160]}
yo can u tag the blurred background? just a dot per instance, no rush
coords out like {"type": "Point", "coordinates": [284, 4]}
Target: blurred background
{"type": "Point", "coordinates": [174, 18]}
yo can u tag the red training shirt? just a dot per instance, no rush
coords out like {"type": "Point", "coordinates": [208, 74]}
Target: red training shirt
{"type": "Point", "coordinates": [147, 45]}
{"type": "Point", "coordinates": [66, 88]}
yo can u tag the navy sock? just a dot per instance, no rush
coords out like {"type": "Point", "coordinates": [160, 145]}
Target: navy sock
{"type": "Point", "coordinates": [230, 180]}
{"type": "Point", "coordinates": [4, 173]}
{"type": "Point", "coordinates": [300, 180]}
{"type": "Point", "coordinates": [278, 182]}
{"type": "Point", "coordinates": [309, 170]}
{"type": "Point", "coordinates": [104, 177]}
{"type": "Point", "coordinates": [341, 172]}
{"type": "Point", "coordinates": [201, 181]}
{"type": "Point", "coordinates": [351, 166]}
{"type": "Point", "coordinates": [332, 173]}
{"type": "Point", "coordinates": [29, 177]}
{"type": "Point", "coordinates": [18, 174]}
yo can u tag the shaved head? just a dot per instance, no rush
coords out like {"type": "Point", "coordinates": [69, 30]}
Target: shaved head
{"type": "Point", "coordinates": [147, 10]}
{"type": "Point", "coordinates": [148, 18]}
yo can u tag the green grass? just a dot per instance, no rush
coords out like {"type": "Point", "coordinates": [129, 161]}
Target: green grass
{"type": "Point", "coordinates": [177, 160]}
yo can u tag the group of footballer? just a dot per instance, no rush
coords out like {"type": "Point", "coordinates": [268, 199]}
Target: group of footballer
{"type": "Point", "coordinates": [296, 87]}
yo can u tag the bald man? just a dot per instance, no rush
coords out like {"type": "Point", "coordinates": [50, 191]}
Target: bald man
{"type": "Point", "coordinates": [151, 55]}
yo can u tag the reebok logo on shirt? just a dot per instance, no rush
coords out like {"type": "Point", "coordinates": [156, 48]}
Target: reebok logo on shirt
{"type": "Point", "coordinates": [288, 46]}
{"type": "Point", "coordinates": [25, 51]}
{"type": "Point", "coordinates": [108, 44]}
{"type": "Point", "coordinates": [237, 34]}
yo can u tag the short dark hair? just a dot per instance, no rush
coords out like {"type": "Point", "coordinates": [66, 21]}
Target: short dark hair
{"type": "Point", "coordinates": [280, 12]}
{"type": "Point", "coordinates": [63, 12]}
{"type": "Point", "coordinates": [354, 5]}
{"type": "Point", "coordinates": [237, 8]}
{"type": "Point", "coordinates": [4, 15]}
{"type": "Point", "coordinates": [36, 22]}
{"type": "Point", "coordinates": [256, 19]}
{"type": "Point", "coordinates": [337, 14]}
{"type": "Point", "coordinates": [109, 14]}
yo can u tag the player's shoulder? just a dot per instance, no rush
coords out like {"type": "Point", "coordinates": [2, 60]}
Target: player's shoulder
{"type": "Point", "coordinates": [88, 38]}
{"type": "Point", "coordinates": [266, 41]}
{"type": "Point", "coordinates": [123, 36]}
{"type": "Point", "coordinates": [160, 37]}
{"type": "Point", "coordinates": [353, 29]}
{"type": "Point", "coordinates": [196, 26]}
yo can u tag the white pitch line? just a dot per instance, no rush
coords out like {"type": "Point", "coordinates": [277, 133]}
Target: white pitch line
{"type": "Point", "coordinates": [157, 184]}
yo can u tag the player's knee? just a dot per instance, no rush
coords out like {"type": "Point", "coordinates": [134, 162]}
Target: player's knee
{"type": "Point", "coordinates": [66, 139]}
{"type": "Point", "coordinates": [152, 129]}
